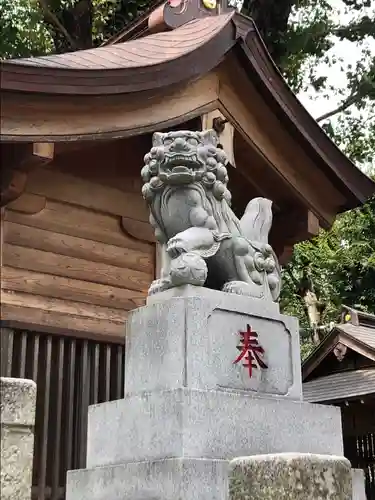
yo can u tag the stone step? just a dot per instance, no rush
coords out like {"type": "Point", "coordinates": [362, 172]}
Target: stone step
{"type": "Point", "coordinates": [208, 424]}
{"type": "Point", "coordinates": [170, 479]}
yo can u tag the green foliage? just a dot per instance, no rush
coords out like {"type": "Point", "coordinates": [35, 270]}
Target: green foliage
{"type": "Point", "coordinates": [38, 27]}
{"type": "Point", "coordinates": [124, 12]}
{"type": "Point", "coordinates": [22, 30]}
{"type": "Point", "coordinates": [339, 264]}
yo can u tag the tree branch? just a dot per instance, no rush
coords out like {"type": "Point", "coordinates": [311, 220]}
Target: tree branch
{"type": "Point", "coordinates": [345, 105]}
{"type": "Point", "coordinates": [53, 19]}
{"type": "Point", "coordinates": [292, 277]}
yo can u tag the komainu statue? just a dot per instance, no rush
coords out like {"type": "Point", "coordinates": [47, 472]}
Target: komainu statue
{"type": "Point", "coordinates": [203, 242]}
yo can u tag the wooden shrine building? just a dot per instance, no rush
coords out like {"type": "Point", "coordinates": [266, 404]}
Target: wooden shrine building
{"type": "Point", "coordinates": [77, 252]}
{"type": "Point", "coordinates": [341, 371]}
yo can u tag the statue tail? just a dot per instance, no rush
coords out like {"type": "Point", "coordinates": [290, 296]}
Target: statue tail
{"type": "Point", "coordinates": [257, 220]}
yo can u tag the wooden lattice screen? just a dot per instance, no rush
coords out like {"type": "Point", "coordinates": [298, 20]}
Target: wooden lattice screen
{"type": "Point", "coordinates": [360, 450]}
{"type": "Point", "coordinates": [71, 374]}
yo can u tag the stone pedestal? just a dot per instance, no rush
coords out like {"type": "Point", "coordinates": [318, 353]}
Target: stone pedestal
{"type": "Point", "coordinates": [189, 408]}
{"type": "Point", "coordinates": [18, 399]}
{"type": "Point", "coordinates": [290, 476]}
{"type": "Point", "coordinates": [191, 340]}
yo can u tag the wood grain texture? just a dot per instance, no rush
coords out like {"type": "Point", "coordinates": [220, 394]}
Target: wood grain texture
{"type": "Point", "coordinates": [47, 285]}
{"type": "Point", "coordinates": [151, 62]}
{"type": "Point", "coordinates": [40, 117]}
{"type": "Point", "coordinates": [70, 267]}
{"type": "Point", "coordinates": [138, 229]}
{"type": "Point", "coordinates": [71, 246]}
{"type": "Point", "coordinates": [68, 307]}
{"type": "Point", "coordinates": [114, 163]}
{"type": "Point", "coordinates": [35, 318]}
{"type": "Point", "coordinates": [2, 234]}
{"type": "Point", "coordinates": [67, 263]}
{"type": "Point", "coordinates": [28, 203]}
{"type": "Point", "coordinates": [80, 222]}
{"type": "Point", "coordinates": [67, 188]}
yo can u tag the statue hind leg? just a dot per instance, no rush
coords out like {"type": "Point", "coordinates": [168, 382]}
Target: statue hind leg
{"type": "Point", "coordinates": [244, 278]}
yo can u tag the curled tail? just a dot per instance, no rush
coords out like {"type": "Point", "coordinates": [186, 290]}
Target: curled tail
{"type": "Point", "coordinates": [257, 220]}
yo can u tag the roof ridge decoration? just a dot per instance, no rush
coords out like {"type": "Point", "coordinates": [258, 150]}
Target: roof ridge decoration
{"type": "Point", "coordinates": [171, 14]}
{"type": "Point", "coordinates": [178, 12]}
{"type": "Point", "coordinates": [357, 317]}
{"type": "Point", "coordinates": [358, 338]}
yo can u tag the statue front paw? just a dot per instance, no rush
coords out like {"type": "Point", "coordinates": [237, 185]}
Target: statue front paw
{"type": "Point", "coordinates": [159, 286]}
{"type": "Point", "coordinates": [188, 269]}
{"type": "Point", "coordinates": [176, 246]}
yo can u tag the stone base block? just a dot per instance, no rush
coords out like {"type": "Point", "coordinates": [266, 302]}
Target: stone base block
{"type": "Point", "coordinates": [192, 340]}
{"type": "Point", "coordinates": [17, 401]}
{"type": "Point", "coordinates": [208, 424]}
{"type": "Point", "coordinates": [170, 479]}
{"type": "Point", "coordinates": [358, 479]}
{"type": "Point", "coordinates": [290, 476]}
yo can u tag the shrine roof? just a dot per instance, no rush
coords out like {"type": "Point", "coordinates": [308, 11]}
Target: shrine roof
{"type": "Point", "coordinates": [363, 334]}
{"type": "Point", "coordinates": [356, 333]}
{"type": "Point", "coordinates": [340, 386]}
{"type": "Point", "coordinates": [155, 63]}
{"type": "Point", "coordinates": [147, 63]}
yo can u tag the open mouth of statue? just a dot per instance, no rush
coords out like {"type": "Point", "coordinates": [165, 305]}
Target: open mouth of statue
{"type": "Point", "coordinates": [180, 163]}
{"type": "Point", "coordinates": [179, 169]}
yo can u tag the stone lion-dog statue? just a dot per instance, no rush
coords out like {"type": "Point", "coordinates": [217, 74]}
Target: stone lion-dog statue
{"type": "Point", "coordinates": [203, 243]}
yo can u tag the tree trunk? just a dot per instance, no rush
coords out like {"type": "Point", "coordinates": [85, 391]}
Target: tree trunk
{"type": "Point", "coordinates": [271, 18]}
{"type": "Point", "coordinates": [312, 306]}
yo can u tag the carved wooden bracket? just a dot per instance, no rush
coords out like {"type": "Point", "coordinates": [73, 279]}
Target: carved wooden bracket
{"type": "Point", "coordinates": [17, 161]}
{"type": "Point", "coordinates": [139, 230]}
{"type": "Point", "coordinates": [225, 132]}
{"type": "Point", "coordinates": [339, 351]}
{"type": "Point", "coordinates": [13, 183]}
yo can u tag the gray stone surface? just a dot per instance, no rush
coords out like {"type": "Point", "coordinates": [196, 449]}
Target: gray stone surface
{"type": "Point", "coordinates": [185, 184]}
{"type": "Point", "coordinates": [358, 480]}
{"type": "Point", "coordinates": [207, 424]}
{"type": "Point", "coordinates": [290, 477]}
{"type": "Point", "coordinates": [170, 479]}
{"type": "Point", "coordinates": [191, 341]}
{"type": "Point", "coordinates": [17, 400]}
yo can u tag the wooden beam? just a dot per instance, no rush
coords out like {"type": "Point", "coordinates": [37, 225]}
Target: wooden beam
{"type": "Point", "coordinates": [261, 129]}
{"type": "Point", "coordinates": [59, 287]}
{"type": "Point", "coordinates": [225, 134]}
{"type": "Point", "coordinates": [44, 150]}
{"type": "Point", "coordinates": [17, 163]}
{"type": "Point", "coordinates": [290, 227]}
{"type": "Point", "coordinates": [313, 225]}
{"type": "Point", "coordinates": [40, 118]}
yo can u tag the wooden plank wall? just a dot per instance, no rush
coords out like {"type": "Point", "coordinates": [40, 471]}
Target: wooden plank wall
{"type": "Point", "coordinates": [78, 252]}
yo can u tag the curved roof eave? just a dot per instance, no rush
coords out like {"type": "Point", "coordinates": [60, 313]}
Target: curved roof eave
{"type": "Point", "coordinates": [298, 120]}
{"type": "Point", "coordinates": [167, 58]}
{"type": "Point", "coordinates": [148, 63]}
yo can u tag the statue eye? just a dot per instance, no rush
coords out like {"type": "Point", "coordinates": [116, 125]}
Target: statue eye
{"type": "Point", "coordinates": [167, 142]}
{"type": "Point", "coordinates": [193, 141]}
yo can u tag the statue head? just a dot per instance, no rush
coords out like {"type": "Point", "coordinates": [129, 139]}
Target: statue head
{"type": "Point", "coordinates": [184, 157]}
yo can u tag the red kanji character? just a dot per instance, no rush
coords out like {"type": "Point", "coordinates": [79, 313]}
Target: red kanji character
{"type": "Point", "coordinates": [250, 351]}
